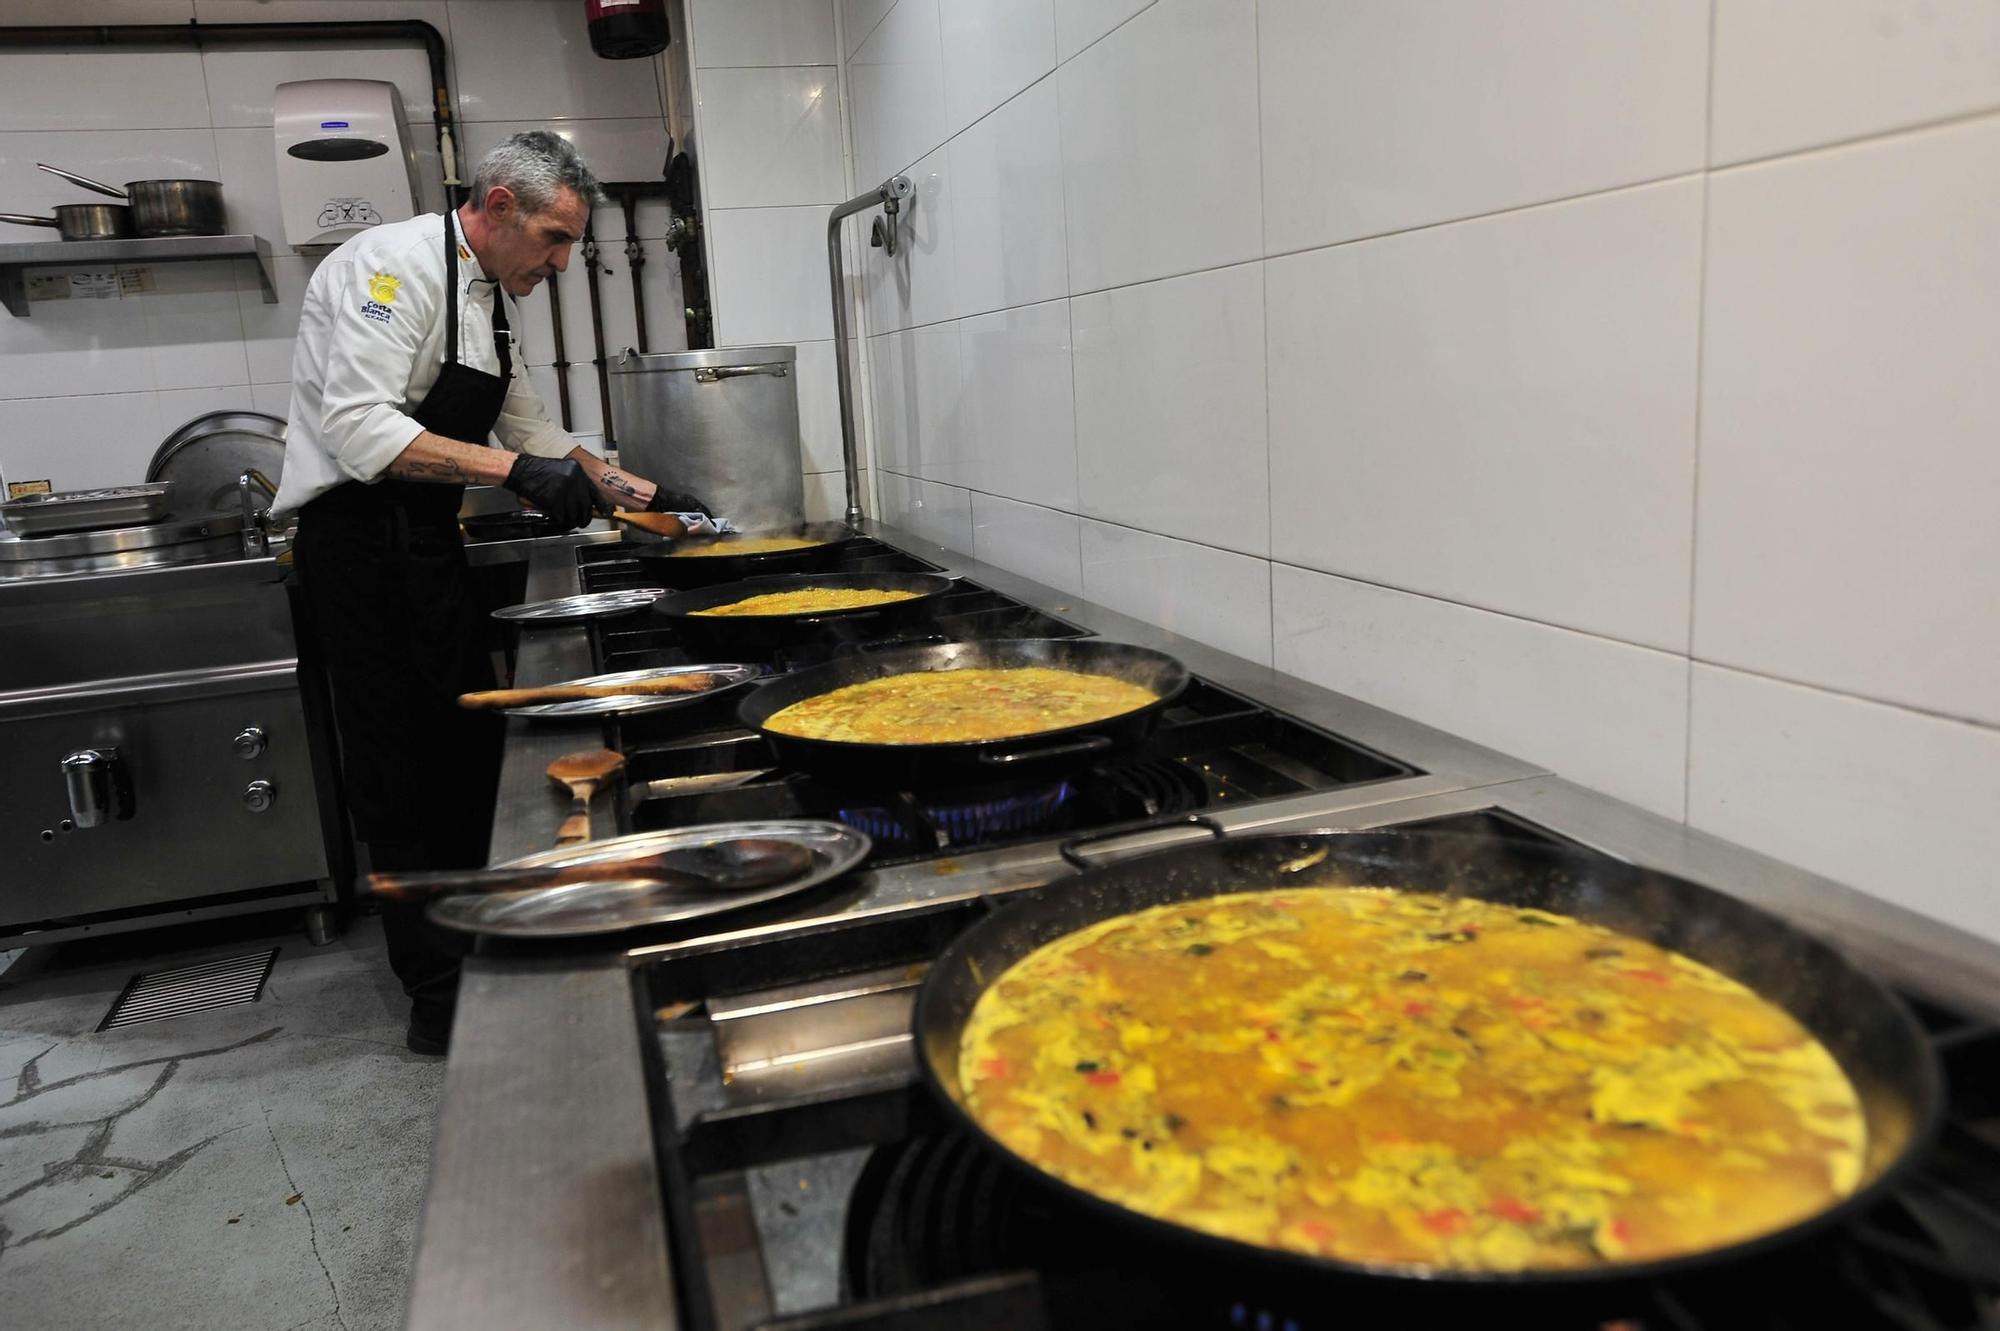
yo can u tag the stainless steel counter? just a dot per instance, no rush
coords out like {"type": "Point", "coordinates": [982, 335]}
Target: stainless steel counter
{"type": "Point", "coordinates": [518, 1229]}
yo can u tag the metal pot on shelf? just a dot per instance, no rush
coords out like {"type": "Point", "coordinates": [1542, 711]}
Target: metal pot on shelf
{"type": "Point", "coordinates": [162, 207]}
{"type": "Point", "coordinates": [722, 424]}
{"type": "Point", "coordinates": [81, 221]}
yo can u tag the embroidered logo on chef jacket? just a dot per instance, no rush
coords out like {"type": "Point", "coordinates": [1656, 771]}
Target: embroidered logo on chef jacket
{"type": "Point", "coordinates": [383, 288]}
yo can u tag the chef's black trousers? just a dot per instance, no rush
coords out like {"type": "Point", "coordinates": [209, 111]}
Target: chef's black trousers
{"type": "Point", "coordinates": [386, 588]}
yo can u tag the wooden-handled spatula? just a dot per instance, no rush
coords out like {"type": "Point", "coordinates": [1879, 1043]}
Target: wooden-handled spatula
{"type": "Point", "coordinates": [659, 524]}
{"type": "Point", "coordinates": [695, 683]}
{"type": "Point", "coordinates": [583, 773]}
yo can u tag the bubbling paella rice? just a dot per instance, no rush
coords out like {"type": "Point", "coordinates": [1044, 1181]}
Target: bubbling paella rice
{"type": "Point", "coordinates": [1402, 1078]}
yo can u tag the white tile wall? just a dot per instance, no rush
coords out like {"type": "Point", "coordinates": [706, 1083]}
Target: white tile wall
{"type": "Point", "coordinates": [896, 79]}
{"type": "Point", "coordinates": [1007, 206]}
{"type": "Point", "coordinates": [763, 32]}
{"type": "Point", "coordinates": [1895, 803]}
{"type": "Point", "coordinates": [819, 407]}
{"type": "Point", "coordinates": [1850, 483]}
{"type": "Point", "coordinates": [1019, 424]}
{"type": "Point", "coordinates": [531, 60]}
{"type": "Point", "coordinates": [242, 80]}
{"type": "Point", "coordinates": [773, 136]}
{"type": "Point", "coordinates": [765, 264]}
{"type": "Point", "coordinates": [1170, 386]}
{"type": "Point", "coordinates": [1600, 712]}
{"type": "Point", "coordinates": [1500, 412]}
{"type": "Point", "coordinates": [100, 11]}
{"type": "Point", "coordinates": [1210, 595]}
{"type": "Point", "coordinates": [1039, 543]}
{"type": "Point", "coordinates": [628, 148]}
{"type": "Point", "coordinates": [1384, 114]}
{"type": "Point", "coordinates": [941, 513]}
{"type": "Point", "coordinates": [1792, 74]}
{"type": "Point", "coordinates": [826, 495]}
{"type": "Point", "coordinates": [992, 50]}
{"type": "Point", "coordinates": [920, 423]}
{"type": "Point", "coordinates": [1081, 22]}
{"type": "Point", "coordinates": [1159, 140]}
{"type": "Point", "coordinates": [432, 12]}
{"type": "Point", "coordinates": [860, 18]}
{"type": "Point", "coordinates": [101, 90]}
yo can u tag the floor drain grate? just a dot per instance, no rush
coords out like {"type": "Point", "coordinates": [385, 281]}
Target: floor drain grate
{"type": "Point", "coordinates": [223, 982]}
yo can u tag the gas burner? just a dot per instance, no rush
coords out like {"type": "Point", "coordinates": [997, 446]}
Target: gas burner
{"type": "Point", "coordinates": [909, 825]}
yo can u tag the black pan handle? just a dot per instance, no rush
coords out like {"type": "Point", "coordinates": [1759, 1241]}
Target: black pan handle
{"type": "Point", "coordinates": [876, 646]}
{"type": "Point", "coordinates": [1067, 749]}
{"type": "Point", "coordinates": [1072, 848]}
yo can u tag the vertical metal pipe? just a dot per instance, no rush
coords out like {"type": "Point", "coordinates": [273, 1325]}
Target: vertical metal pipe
{"type": "Point", "coordinates": [635, 259]}
{"type": "Point", "coordinates": [597, 332]}
{"type": "Point", "coordinates": [889, 195]}
{"type": "Point", "coordinates": [562, 360]}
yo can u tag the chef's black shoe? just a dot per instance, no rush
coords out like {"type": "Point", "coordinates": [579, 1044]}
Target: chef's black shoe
{"type": "Point", "coordinates": [429, 1031]}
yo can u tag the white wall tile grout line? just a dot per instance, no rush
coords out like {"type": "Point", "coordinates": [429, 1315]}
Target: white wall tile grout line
{"type": "Point", "coordinates": [1694, 479]}
{"type": "Point", "coordinates": [1952, 121]}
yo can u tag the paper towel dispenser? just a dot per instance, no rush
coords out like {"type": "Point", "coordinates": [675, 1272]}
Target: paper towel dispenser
{"type": "Point", "coordinates": [344, 158]}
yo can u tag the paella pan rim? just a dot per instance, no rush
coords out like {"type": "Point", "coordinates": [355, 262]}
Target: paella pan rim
{"type": "Point", "coordinates": [995, 942]}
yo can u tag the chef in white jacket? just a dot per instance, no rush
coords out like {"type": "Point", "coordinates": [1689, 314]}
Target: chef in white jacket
{"type": "Point", "coordinates": [403, 368]}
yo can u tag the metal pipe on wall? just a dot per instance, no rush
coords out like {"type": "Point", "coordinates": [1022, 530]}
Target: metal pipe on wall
{"type": "Point", "coordinates": [561, 363]}
{"type": "Point", "coordinates": [597, 331]}
{"type": "Point", "coordinates": [889, 195]}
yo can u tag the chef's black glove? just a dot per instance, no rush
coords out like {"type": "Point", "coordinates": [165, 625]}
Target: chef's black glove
{"type": "Point", "coordinates": [559, 487]}
{"type": "Point", "coordinates": [673, 501]}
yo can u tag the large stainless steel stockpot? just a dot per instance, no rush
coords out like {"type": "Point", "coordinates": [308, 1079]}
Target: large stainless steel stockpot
{"type": "Point", "coordinates": [722, 425]}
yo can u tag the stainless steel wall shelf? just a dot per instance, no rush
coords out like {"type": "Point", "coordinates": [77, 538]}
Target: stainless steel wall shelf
{"type": "Point", "coordinates": [16, 259]}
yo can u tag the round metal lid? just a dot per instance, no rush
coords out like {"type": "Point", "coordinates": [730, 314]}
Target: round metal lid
{"type": "Point", "coordinates": [599, 908]}
{"type": "Point", "coordinates": [205, 457]}
{"type": "Point", "coordinates": [630, 361]}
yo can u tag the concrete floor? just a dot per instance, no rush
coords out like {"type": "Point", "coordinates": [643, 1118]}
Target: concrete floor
{"type": "Point", "coordinates": [252, 1167]}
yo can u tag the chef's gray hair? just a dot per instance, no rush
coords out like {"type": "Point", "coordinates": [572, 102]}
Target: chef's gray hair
{"type": "Point", "coordinates": [534, 164]}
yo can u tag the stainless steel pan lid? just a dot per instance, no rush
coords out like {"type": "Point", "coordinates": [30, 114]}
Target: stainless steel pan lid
{"type": "Point", "coordinates": [584, 909]}
{"type": "Point", "coordinates": [206, 456]}
{"type": "Point", "coordinates": [590, 605]}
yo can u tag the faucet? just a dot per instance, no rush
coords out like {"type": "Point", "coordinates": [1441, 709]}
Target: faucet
{"type": "Point", "coordinates": [889, 196]}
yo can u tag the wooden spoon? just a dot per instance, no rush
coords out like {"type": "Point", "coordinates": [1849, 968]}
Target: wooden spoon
{"type": "Point", "coordinates": [583, 773]}
{"type": "Point", "coordinates": [696, 683]}
{"type": "Point", "coordinates": [735, 866]}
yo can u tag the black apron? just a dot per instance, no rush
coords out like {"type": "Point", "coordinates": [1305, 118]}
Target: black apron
{"type": "Point", "coordinates": [383, 575]}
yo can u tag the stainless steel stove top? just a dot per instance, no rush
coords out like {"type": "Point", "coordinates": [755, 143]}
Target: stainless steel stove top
{"type": "Point", "coordinates": [543, 1207]}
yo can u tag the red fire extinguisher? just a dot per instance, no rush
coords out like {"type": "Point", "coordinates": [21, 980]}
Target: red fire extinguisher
{"type": "Point", "coordinates": [627, 29]}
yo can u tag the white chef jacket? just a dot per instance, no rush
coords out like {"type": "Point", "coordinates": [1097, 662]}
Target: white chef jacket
{"type": "Point", "coordinates": [370, 345]}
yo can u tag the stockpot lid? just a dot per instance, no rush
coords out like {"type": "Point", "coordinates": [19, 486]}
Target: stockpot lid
{"type": "Point", "coordinates": [630, 361]}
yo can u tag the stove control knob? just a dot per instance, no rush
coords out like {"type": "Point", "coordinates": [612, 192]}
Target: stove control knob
{"type": "Point", "coordinates": [259, 796]}
{"type": "Point", "coordinates": [250, 742]}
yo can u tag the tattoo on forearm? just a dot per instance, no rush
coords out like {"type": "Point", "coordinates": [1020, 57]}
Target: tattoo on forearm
{"type": "Point", "coordinates": [441, 469]}
{"type": "Point", "coordinates": [611, 480]}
